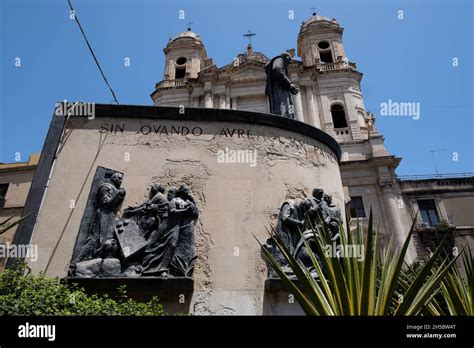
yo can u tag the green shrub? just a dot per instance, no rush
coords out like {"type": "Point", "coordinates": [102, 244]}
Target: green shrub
{"type": "Point", "coordinates": [33, 295]}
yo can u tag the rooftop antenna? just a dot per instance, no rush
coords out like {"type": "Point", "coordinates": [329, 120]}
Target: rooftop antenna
{"type": "Point", "coordinates": [314, 9]}
{"type": "Point", "coordinates": [189, 25]}
{"type": "Point", "coordinates": [434, 160]}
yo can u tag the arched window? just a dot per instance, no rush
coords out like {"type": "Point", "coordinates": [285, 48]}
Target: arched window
{"type": "Point", "coordinates": [180, 71]}
{"type": "Point", "coordinates": [325, 53]}
{"type": "Point", "coordinates": [338, 116]}
{"type": "Point", "coordinates": [326, 57]}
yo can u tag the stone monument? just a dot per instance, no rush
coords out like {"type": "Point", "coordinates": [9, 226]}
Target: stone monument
{"type": "Point", "coordinates": [168, 203]}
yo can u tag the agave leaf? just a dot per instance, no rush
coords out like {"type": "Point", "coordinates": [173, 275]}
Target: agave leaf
{"type": "Point", "coordinates": [434, 308]}
{"type": "Point", "coordinates": [322, 303]}
{"type": "Point", "coordinates": [347, 286]}
{"type": "Point", "coordinates": [395, 272]}
{"type": "Point", "coordinates": [456, 289]}
{"type": "Point", "coordinates": [335, 277]}
{"type": "Point", "coordinates": [374, 275]}
{"type": "Point", "coordinates": [419, 282]}
{"type": "Point", "coordinates": [306, 305]}
{"type": "Point", "coordinates": [350, 269]}
{"type": "Point", "coordinates": [452, 296]}
{"type": "Point", "coordinates": [367, 273]}
{"type": "Point", "coordinates": [431, 284]}
{"type": "Point", "coordinates": [297, 268]}
{"type": "Point", "coordinates": [324, 294]}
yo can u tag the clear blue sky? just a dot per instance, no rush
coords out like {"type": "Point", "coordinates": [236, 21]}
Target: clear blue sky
{"type": "Point", "coordinates": [407, 60]}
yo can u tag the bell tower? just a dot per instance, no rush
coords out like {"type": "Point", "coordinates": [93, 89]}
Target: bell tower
{"type": "Point", "coordinates": [320, 41]}
{"type": "Point", "coordinates": [336, 82]}
{"type": "Point", "coordinates": [185, 56]}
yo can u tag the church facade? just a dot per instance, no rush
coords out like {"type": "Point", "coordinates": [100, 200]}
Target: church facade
{"type": "Point", "coordinates": [134, 154]}
{"type": "Point", "coordinates": [330, 99]}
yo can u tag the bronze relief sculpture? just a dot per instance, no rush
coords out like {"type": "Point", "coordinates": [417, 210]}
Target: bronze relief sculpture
{"type": "Point", "coordinates": [297, 224]}
{"type": "Point", "coordinates": [155, 238]}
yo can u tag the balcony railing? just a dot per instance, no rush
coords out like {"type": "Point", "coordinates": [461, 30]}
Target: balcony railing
{"type": "Point", "coordinates": [335, 66]}
{"type": "Point", "coordinates": [342, 134]}
{"type": "Point", "coordinates": [342, 131]}
{"type": "Point", "coordinates": [171, 83]}
{"type": "Point", "coordinates": [436, 176]}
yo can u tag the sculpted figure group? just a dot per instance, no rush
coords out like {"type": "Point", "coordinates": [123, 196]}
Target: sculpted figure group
{"type": "Point", "coordinates": [155, 238]}
{"type": "Point", "coordinates": [295, 223]}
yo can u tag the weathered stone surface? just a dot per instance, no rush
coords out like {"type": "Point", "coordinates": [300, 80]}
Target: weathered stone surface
{"type": "Point", "coordinates": [235, 201]}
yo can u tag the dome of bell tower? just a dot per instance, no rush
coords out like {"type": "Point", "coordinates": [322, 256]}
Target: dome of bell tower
{"type": "Point", "coordinates": [320, 41]}
{"type": "Point", "coordinates": [185, 56]}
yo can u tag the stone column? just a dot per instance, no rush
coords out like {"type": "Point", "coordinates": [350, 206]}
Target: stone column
{"type": "Point", "coordinates": [234, 103]}
{"type": "Point", "coordinates": [351, 114]}
{"type": "Point", "coordinates": [313, 113]}
{"type": "Point", "coordinates": [298, 107]}
{"type": "Point", "coordinates": [326, 115]}
{"type": "Point", "coordinates": [393, 207]}
{"type": "Point", "coordinates": [222, 102]}
{"type": "Point", "coordinates": [196, 102]}
{"type": "Point", "coordinates": [208, 100]}
{"type": "Point", "coordinates": [170, 69]}
{"type": "Point", "coordinates": [227, 96]}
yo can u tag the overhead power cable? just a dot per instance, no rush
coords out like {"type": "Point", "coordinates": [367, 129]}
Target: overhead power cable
{"type": "Point", "coordinates": [74, 13]}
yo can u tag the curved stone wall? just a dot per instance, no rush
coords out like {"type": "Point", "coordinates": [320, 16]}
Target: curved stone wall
{"type": "Point", "coordinates": [240, 167]}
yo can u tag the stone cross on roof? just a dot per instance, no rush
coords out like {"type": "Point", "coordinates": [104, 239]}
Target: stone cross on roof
{"type": "Point", "coordinates": [249, 36]}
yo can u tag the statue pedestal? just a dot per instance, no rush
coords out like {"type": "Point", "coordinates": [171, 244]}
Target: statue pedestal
{"type": "Point", "coordinates": [278, 299]}
{"type": "Point", "coordinates": [174, 293]}
{"type": "Point", "coordinates": [276, 284]}
{"type": "Point", "coordinates": [239, 166]}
